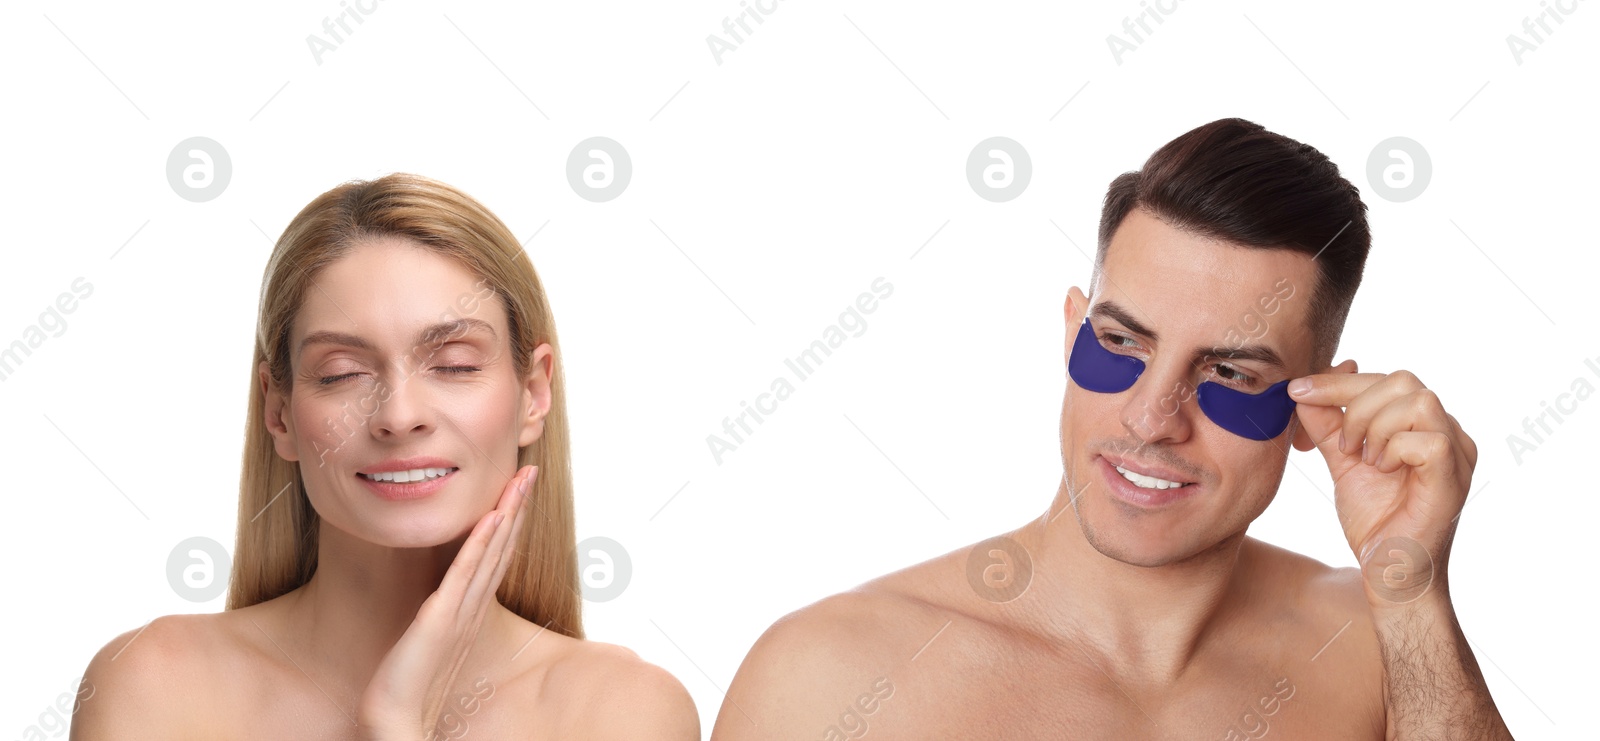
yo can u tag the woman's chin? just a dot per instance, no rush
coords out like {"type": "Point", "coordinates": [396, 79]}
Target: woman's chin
{"type": "Point", "coordinates": [427, 538]}
{"type": "Point", "coordinates": [429, 532]}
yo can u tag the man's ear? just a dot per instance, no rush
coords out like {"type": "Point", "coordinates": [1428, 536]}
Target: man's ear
{"type": "Point", "coordinates": [280, 424]}
{"type": "Point", "coordinates": [536, 395]}
{"type": "Point", "coordinates": [1077, 305]}
{"type": "Point", "coordinates": [1302, 441]}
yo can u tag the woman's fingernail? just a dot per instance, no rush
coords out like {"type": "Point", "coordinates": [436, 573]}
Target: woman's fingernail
{"type": "Point", "coordinates": [499, 517]}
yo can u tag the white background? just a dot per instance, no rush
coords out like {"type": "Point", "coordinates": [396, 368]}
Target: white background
{"type": "Point", "coordinates": [789, 177]}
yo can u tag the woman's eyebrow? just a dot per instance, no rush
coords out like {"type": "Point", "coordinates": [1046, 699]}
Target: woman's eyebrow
{"type": "Point", "coordinates": [433, 334]}
{"type": "Point", "coordinates": [454, 329]}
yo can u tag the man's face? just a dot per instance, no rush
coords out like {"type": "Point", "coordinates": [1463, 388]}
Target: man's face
{"type": "Point", "coordinates": [1193, 310]}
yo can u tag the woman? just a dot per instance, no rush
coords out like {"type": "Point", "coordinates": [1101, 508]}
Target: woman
{"type": "Point", "coordinates": [405, 567]}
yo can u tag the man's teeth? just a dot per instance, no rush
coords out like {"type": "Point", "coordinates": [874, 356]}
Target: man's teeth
{"type": "Point", "coordinates": [1147, 482]}
{"type": "Point", "coordinates": [401, 477]}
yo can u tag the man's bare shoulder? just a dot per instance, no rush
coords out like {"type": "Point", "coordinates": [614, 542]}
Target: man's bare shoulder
{"type": "Point", "coordinates": [874, 621]}
{"type": "Point", "coordinates": [829, 667]}
{"type": "Point", "coordinates": [1297, 585]}
{"type": "Point", "coordinates": [1322, 620]}
{"type": "Point", "coordinates": [145, 683]}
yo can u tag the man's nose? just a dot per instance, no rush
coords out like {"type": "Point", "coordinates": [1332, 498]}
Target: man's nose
{"type": "Point", "coordinates": [1160, 407]}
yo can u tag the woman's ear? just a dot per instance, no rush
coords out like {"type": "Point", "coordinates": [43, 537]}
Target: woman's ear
{"type": "Point", "coordinates": [275, 406]}
{"type": "Point", "coordinates": [536, 394]}
{"type": "Point", "coordinates": [1302, 441]}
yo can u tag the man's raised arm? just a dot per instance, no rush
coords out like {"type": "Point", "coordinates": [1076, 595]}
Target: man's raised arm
{"type": "Point", "coordinates": [1401, 470]}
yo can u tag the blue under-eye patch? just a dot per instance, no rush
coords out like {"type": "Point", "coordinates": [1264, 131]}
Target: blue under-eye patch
{"type": "Point", "coordinates": [1098, 369]}
{"type": "Point", "coordinates": [1260, 416]}
{"type": "Point", "coordinates": [1256, 416]}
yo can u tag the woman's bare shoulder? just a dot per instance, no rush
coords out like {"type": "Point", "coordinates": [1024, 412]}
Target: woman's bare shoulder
{"type": "Point", "coordinates": [602, 690]}
{"type": "Point", "coordinates": [147, 682]}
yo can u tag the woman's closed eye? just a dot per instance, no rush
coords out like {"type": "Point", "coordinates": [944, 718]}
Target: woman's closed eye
{"type": "Point", "coordinates": [447, 369]}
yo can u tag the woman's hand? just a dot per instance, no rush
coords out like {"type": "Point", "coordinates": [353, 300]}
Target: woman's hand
{"type": "Point", "coordinates": [407, 694]}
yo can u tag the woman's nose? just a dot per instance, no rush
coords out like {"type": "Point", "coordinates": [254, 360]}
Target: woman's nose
{"type": "Point", "coordinates": [402, 410]}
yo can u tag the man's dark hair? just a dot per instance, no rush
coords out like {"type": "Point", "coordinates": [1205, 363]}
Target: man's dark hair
{"type": "Point", "coordinates": [1234, 181]}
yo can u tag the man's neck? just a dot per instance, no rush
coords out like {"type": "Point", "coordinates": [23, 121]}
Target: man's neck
{"type": "Point", "coordinates": [1148, 624]}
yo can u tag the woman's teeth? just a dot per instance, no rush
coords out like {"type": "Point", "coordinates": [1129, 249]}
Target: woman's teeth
{"type": "Point", "coordinates": [415, 474]}
{"type": "Point", "coordinates": [1147, 482]}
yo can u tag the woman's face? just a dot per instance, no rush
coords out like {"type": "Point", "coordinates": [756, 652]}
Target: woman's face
{"type": "Point", "coordinates": [400, 360]}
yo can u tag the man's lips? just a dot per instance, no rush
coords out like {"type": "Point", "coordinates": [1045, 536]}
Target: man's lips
{"type": "Point", "coordinates": [1144, 493]}
{"type": "Point", "coordinates": [1151, 470]}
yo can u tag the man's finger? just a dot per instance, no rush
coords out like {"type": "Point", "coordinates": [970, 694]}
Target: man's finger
{"type": "Point", "coordinates": [1322, 425]}
{"type": "Point", "coordinates": [1430, 454]}
{"type": "Point", "coordinates": [1331, 389]}
{"type": "Point", "coordinates": [1415, 410]}
{"type": "Point", "coordinates": [1371, 401]}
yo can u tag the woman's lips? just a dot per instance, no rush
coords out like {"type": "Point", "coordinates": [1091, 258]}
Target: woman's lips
{"type": "Point", "coordinates": [395, 491]}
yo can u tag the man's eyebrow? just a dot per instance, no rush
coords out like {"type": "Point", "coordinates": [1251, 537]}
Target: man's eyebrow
{"type": "Point", "coordinates": [431, 334]}
{"type": "Point", "coordinates": [1259, 353]}
{"type": "Point", "coordinates": [1114, 311]}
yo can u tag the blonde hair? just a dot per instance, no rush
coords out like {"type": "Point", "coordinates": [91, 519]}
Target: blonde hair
{"type": "Point", "coordinates": [276, 549]}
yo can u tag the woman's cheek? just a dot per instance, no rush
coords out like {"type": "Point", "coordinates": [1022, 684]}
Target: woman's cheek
{"type": "Point", "coordinates": [326, 434]}
{"type": "Point", "coordinates": [479, 413]}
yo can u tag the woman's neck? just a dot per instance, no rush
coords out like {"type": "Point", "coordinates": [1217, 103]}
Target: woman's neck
{"type": "Point", "coordinates": [361, 600]}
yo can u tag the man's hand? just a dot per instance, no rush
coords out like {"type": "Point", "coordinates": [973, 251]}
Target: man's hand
{"type": "Point", "coordinates": [1401, 470]}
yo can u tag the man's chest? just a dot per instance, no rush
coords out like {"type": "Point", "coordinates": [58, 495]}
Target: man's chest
{"type": "Point", "coordinates": [1081, 699]}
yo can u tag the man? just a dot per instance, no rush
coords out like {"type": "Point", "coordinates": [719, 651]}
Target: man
{"type": "Point", "coordinates": [1137, 607]}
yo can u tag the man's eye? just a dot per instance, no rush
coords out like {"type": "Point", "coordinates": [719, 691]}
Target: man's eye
{"type": "Point", "coordinates": [1116, 340]}
{"type": "Point", "coordinates": [1233, 376]}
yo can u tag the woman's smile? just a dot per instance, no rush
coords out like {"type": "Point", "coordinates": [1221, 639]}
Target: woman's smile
{"type": "Point", "coordinates": [407, 478]}
{"type": "Point", "coordinates": [395, 491]}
